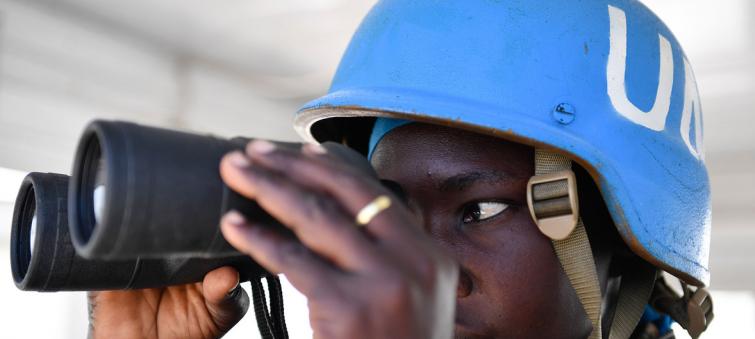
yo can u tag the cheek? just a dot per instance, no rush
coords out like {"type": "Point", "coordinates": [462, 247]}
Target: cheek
{"type": "Point", "coordinates": [520, 287]}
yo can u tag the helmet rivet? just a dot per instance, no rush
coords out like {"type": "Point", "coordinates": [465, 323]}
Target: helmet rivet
{"type": "Point", "coordinates": [564, 113]}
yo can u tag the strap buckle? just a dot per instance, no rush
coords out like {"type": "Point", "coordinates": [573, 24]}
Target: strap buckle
{"type": "Point", "coordinates": [693, 310]}
{"type": "Point", "coordinates": [553, 204]}
{"type": "Point", "coordinates": [699, 312]}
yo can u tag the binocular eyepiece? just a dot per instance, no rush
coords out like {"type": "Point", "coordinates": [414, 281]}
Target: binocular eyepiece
{"type": "Point", "coordinates": [142, 209]}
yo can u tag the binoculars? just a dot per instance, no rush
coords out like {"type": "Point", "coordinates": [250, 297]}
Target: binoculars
{"type": "Point", "coordinates": [141, 210]}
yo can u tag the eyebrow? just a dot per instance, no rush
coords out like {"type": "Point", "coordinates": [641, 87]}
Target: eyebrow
{"type": "Point", "coordinates": [463, 181]}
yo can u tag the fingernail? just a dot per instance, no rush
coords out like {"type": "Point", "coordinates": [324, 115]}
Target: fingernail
{"type": "Point", "coordinates": [235, 218]}
{"type": "Point", "coordinates": [238, 282]}
{"type": "Point", "coordinates": [239, 160]}
{"type": "Point", "coordinates": [316, 148]}
{"type": "Point", "coordinates": [232, 291]}
{"type": "Point", "coordinates": [260, 146]}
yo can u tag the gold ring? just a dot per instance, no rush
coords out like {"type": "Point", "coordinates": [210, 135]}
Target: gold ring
{"type": "Point", "coordinates": [368, 212]}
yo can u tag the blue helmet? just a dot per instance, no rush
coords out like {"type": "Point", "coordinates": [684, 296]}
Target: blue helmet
{"type": "Point", "coordinates": [603, 82]}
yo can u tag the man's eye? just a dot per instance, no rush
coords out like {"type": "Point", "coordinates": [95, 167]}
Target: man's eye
{"type": "Point", "coordinates": [480, 211]}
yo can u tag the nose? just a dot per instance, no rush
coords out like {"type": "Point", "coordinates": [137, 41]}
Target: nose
{"type": "Point", "coordinates": [444, 236]}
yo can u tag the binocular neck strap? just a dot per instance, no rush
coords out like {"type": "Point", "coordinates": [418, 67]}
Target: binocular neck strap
{"type": "Point", "coordinates": [270, 322]}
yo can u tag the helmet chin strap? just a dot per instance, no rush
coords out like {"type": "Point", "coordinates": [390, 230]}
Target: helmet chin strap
{"type": "Point", "coordinates": [573, 247]}
{"type": "Point", "coordinates": [576, 258]}
{"type": "Point", "coordinates": [552, 199]}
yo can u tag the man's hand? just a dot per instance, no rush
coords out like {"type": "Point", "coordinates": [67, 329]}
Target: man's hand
{"type": "Point", "coordinates": [386, 279]}
{"type": "Point", "coordinates": [206, 309]}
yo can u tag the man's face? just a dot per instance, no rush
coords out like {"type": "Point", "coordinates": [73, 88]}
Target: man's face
{"type": "Point", "coordinates": [470, 191]}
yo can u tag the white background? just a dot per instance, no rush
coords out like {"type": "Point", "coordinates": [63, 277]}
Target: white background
{"type": "Point", "coordinates": [242, 67]}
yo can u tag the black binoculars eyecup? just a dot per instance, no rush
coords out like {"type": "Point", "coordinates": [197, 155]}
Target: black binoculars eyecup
{"type": "Point", "coordinates": [24, 226]}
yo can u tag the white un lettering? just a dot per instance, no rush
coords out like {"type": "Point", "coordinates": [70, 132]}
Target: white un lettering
{"type": "Point", "coordinates": [655, 118]}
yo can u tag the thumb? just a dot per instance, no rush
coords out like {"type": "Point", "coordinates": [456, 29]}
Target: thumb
{"type": "Point", "coordinates": [224, 298]}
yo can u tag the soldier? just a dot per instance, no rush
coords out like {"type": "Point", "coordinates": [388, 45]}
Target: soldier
{"type": "Point", "coordinates": [550, 156]}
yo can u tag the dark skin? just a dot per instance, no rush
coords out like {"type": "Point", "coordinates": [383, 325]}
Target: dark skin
{"type": "Point", "coordinates": [201, 310]}
{"type": "Point", "coordinates": [446, 173]}
{"type": "Point", "coordinates": [463, 251]}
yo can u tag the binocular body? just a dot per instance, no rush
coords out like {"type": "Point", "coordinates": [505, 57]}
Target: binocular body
{"type": "Point", "coordinates": [142, 209]}
{"type": "Point", "coordinates": [146, 192]}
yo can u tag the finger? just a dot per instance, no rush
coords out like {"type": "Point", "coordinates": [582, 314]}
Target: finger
{"type": "Point", "coordinates": [224, 298]}
{"type": "Point", "coordinates": [326, 172]}
{"type": "Point", "coordinates": [396, 229]}
{"type": "Point", "coordinates": [318, 220]}
{"type": "Point", "coordinates": [320, 170]}
{"type": "Point", "coordinates": [231, 171]}
{"type": "Point", "coordinates": [279, 254]}
{"type": "Point", "coordinates": [220, 283]}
